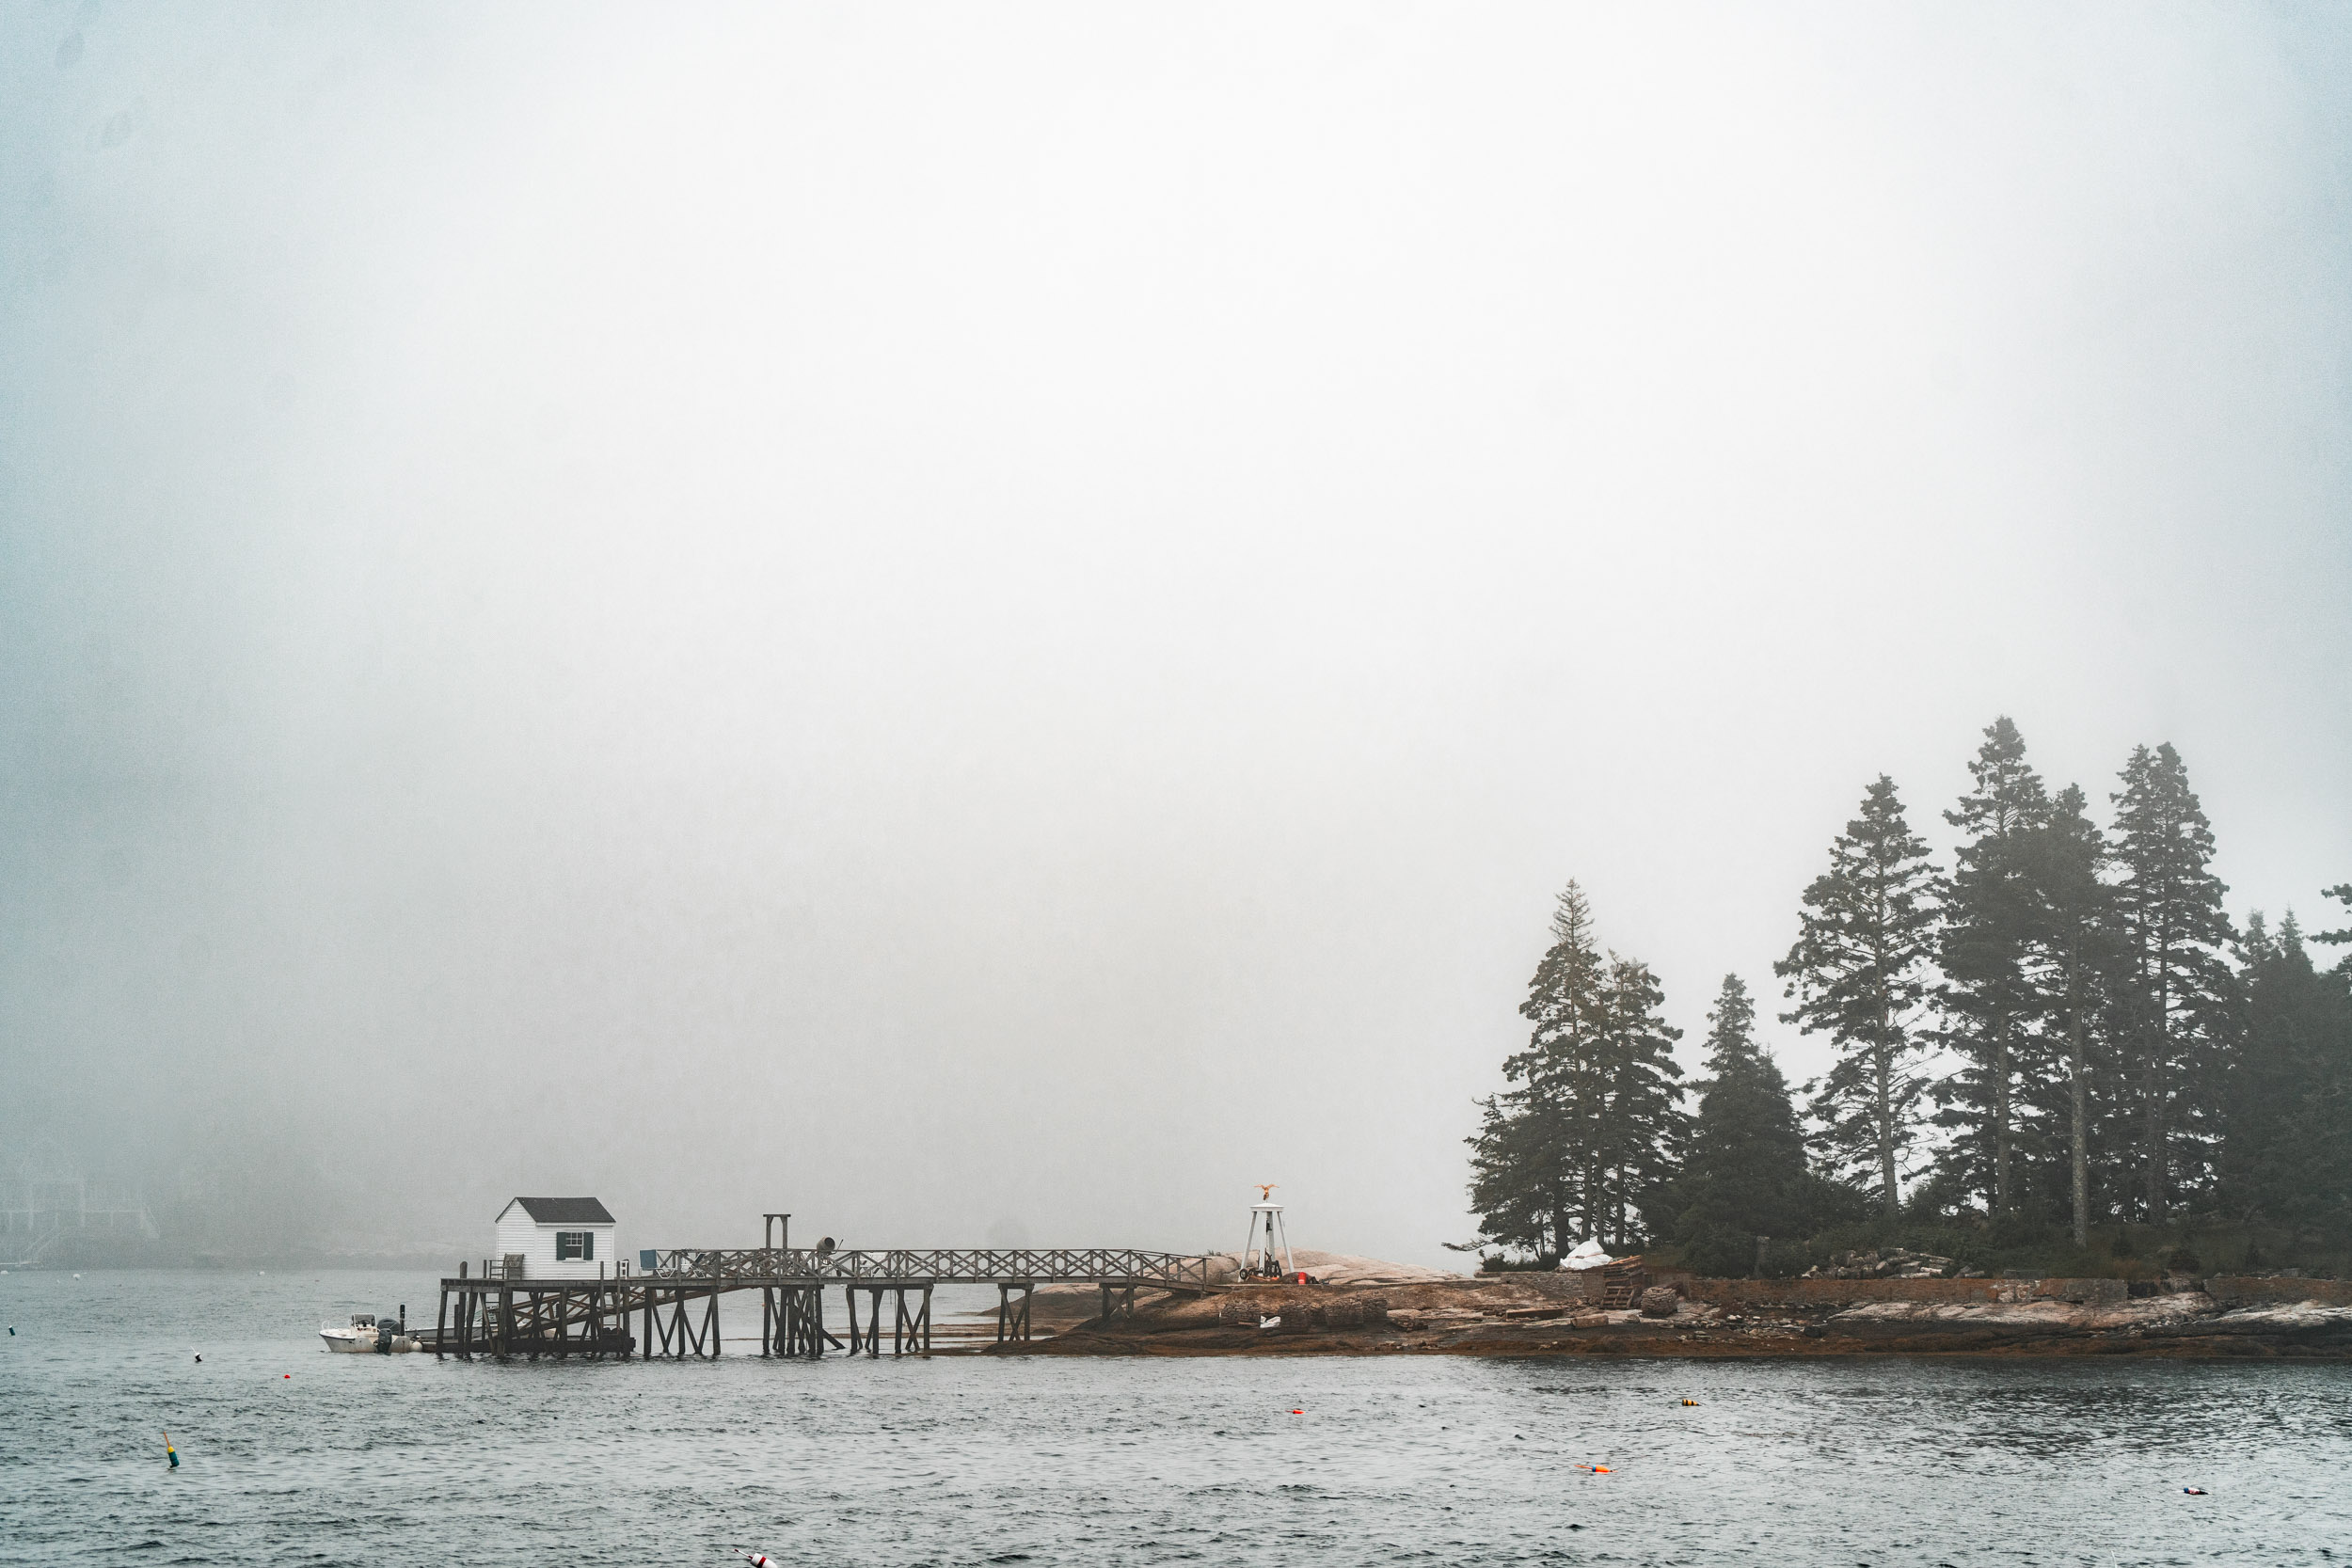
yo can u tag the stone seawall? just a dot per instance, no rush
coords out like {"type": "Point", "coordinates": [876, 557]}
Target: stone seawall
{"type": "Point", "coordinates": [2238, 1291]}
{"type": "Point", "coordinates": [1850, 1292]}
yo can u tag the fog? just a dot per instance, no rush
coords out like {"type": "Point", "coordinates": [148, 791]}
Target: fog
{"type": "Point", "coordinates": [997, 622]}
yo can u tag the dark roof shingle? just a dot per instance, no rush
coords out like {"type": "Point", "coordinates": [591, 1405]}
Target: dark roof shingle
{"type": "Point", "coordinates": [565, 1211]}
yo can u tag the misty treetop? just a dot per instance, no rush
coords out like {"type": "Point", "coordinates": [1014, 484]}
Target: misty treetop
{"type": "Point", "coordinates": [2064, 1027]}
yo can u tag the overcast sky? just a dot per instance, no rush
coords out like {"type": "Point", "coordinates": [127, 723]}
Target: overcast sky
{"type": "Point", "coordinates": [1005, 619]}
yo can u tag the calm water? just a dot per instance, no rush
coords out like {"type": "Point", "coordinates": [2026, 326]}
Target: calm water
{"type": "Point", "coordinates": [1424, 1460]}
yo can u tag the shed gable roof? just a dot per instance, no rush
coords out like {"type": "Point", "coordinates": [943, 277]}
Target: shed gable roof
{"type": "Point", "coordinates": [562, 1211]}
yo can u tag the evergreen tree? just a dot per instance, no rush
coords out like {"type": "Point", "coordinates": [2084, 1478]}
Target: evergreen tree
{"type": "Point", "coordinates": [1510, 1155]}
{"type": "Point", "coordinates": [1534, 1162]}
{"type": "Point", "coordinates": [1640, 1129]}
{"type": "Point", "coordinates": [1991, 999]}
{"type": "Point", "coordinates": [1588, 1129]}
{"type": "Point", "coordinates": [2174, 995]}
{"type": "Point", "coordinates": [1745, 1173]}
{"type": "Point", "coordinates": [2073, 953]}
{"type": "Point", "coordinates": [2344, 892]}
{"type": "Point", "coordinates": [2287, 1156]}
{"type": "Point", "coordinates": [1856, 974]}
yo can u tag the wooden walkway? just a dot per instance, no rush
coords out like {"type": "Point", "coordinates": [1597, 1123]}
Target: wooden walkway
{"type": "Point", "coordinates": [674, 1304]}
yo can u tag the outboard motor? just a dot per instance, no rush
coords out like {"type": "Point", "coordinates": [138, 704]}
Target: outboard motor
{"type": "Point", "coordinates": [386, 1329]}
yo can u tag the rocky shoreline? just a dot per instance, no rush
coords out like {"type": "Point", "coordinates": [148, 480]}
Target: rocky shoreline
{"type": "Point", "coordinates": [1679, 1315]}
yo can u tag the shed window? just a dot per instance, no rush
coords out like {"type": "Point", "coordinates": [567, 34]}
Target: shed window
{"type": "Point", "coordinates": [575, 1243]}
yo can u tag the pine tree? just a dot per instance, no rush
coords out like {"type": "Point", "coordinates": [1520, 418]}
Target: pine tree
{"type": "Point", "coordinates": [1990, 1001]}
{"type": "Point", "coordinates": [1640, 1130]}
{"type": "Point", "coordinates": [1510, 1156]}
{"type": "Point", "coordinates": [1534, 1177]}
{"type": "Point", "coordinates": [2073, 953]}
{"type": "Point", "coordinates": [1588, 1131]}
{"type": "Point", "coordinates": [1858, 974]}
{"type": "Point", "coordinates": [2287, 1155]}
{"type": "Point", "coordinates": [2344, 892]}
{"type": "Point", "coordinates": [1744, 1176]}
{"type": "Point", "coordinates": [2174, 994]}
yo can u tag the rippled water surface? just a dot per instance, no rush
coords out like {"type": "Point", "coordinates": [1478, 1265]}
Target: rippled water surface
{"type": "Point", "coordinates": [1424, 1460]}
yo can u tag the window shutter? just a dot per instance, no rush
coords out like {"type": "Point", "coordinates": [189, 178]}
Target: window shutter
{"type": "Point", "coordinates": [587, 1246]}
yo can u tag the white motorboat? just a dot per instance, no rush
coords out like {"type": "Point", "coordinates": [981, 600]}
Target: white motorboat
{"type": "Point", "coordinates": [359, 1336]}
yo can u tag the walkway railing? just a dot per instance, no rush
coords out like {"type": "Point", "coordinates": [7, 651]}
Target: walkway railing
{"type": "Point", "coordinates": [939, 1265]}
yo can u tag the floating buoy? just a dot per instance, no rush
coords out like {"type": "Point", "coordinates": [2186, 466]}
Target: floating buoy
{"type": "Point", "coordinates": [290, 1377]}
{"type": "Point", "coordinates": [199, 1361]}
{"type": "Point", "coordinates": [169, 1453]}
{"type": "Point", "coordinates": [759, 1560]}
{"type": "Point", "coordinates": [2194, 1491]}
{"type": "Point", "coordinates": [1298, 1413]}
{"type": "Point", "coordinates": [1594, 1469]}
{"type": "Point", "coordinates": [1690, 1401]}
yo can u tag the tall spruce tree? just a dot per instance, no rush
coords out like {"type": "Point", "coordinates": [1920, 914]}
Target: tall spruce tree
{"type": "Point", "coordinates": [1640, 1130]}
{"type": "Point", "coordinates": [1534, 1164]}
{"type": "Point", "coordinates": [2073, 953]}
{"type": "Point", "coordinates": [1991, 1000]}
{"type": "Point", "coordinates": [1744, 1176]}
{"type": "Point", "coordinates": [1858, 974]}
{"type": "Point", "coordinates": [2174, 995]}
{"type": "Point", "coordinates": [1589, 1127]}
{"type": "Point", "coordinates": [2286, 1156]}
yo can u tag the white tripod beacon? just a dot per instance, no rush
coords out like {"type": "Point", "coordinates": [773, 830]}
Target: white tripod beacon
{"type": "Point", "coordinates": [1268, 1254]}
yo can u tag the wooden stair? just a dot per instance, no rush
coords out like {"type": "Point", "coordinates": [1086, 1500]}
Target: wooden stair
{"type": "Point", "coordinates": [1621, 1285]}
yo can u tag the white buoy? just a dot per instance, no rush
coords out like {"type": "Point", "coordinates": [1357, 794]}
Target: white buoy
{"type": "Point", "coordinates": [1267, 1253]}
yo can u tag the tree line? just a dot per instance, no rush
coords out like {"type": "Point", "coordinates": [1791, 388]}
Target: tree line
{"type": "Point", "coordinates": [2063, 1026]}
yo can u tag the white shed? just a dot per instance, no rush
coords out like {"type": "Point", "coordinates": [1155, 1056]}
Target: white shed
{"type": "Point", "coordinates": [556, 1238]}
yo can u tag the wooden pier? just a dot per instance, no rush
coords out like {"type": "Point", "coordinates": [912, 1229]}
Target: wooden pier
{"type": "Point", "coordinates": [674, 1304]}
